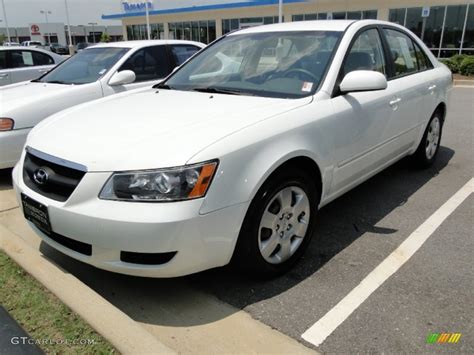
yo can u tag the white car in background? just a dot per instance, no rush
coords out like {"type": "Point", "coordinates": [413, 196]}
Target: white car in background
{"type": "Point", "coordinates": [204, 169]}
{"type": "Point", "coordinates": [97, 71]}
{"type": "Point", "coordinates": [20, 64]}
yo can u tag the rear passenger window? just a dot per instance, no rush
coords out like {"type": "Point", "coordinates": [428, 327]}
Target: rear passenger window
{"type": "Point", "coordinates": [148, 64]}
{"type": "Point", "coordinates": [42, 59]}
{"type": "Point", "coordinates": [402, 52]}
{"type": "Point", "coordinates": [366, 53]}
{"type": "Point", "coordinates": [21, 59]}
{"type": "Point", "coordinates": [423, 62]}
{"type": "Point", "coordinates": [3, 59]}
{"type": "Point", "coordinates": [182, 53]}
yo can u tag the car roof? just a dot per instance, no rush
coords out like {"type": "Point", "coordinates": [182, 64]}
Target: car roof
{"type": "Point", "coordinates": [143, 43]}
{"type": "Point", "coordinates": [317, 25]}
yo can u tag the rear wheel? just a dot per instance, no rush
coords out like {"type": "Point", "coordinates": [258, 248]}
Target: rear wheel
{"type": "Point", "coordinates": [428, 149]}
{"type": "Point", "coordinates": [278, 225]}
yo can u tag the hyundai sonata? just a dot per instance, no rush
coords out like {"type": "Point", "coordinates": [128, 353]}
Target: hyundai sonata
{"type": "Point", "coordinates": [231, 157]}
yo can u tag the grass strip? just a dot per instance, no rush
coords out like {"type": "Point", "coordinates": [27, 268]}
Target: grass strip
{"type": "Point", "coordinates": [54, 327]}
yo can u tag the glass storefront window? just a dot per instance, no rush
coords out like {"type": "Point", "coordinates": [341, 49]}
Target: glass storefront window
{"type": "Point", "coordinates": [469, 34]}
{"type": "Point", "coordinates": [199, 31]}
{"type": "Point", "coordinates": [339, 16]}
{"type": "Point", "coordinates": [434, 27]}
{"type": "Point", "coordinates": [354, 15]}
{"type": "Point", "coordinates": [414, 21]}
{"type": "Point", "coordinates": [212, 30]}
{"type": "Point", "coordinates": [138, 32]}
{"type": "Point", "coordinates": [455, 17]}
{"type": "Point", "coordinates": [397, 16]}
{"type": "Point", "coordinates": [369, 15]}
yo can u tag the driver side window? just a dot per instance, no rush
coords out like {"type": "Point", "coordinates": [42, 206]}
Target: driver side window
{"type": "Point", "coordinates": [366, 53]}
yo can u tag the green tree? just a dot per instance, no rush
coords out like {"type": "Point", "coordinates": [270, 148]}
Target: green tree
{"type": "Point", "coordinates": [3, 38]}
{"type": "Point", "coordinates": [105, 37]}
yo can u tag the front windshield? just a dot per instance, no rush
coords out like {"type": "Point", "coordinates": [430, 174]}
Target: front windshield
{"type": "Point", "coordinates": [272, 64]}
{"type": "Point", "coordinates": [85, 67]}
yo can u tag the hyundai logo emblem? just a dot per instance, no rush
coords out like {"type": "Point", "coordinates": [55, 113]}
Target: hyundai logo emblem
{"type": "Point", "coordinates": [41, 176]}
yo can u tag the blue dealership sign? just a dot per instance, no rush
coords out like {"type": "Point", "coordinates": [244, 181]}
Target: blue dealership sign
{"type": "Point", "coordinates": [139, 6]}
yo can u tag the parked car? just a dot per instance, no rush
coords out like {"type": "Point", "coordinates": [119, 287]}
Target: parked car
{"type": "Point", "coordinates": [20, 64]}
{"type": "Point", "coordinates": [10, 44]}
{"type": "Point", "coordinates": [98, 71]}
{"type": "Point", "coordinates": [59, 48]}
{"type": "Point", "coordinates": [81, 46]}
{"type": "Point", "coordinates": [32, 44]}
{"type": "Point", "coordinates": [212, 166]}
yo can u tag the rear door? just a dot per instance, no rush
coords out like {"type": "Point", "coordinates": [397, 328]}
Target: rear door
{"type": "Point", "coordinates": [5, 77]}
{"type": "Point", "coordinates": [28, 65]}
{"type": "Point", "coordinates": [410, 88]}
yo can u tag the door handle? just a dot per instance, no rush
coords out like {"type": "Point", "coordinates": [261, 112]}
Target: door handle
{"type": "Point", "coordinates": [394, 102]}
{"type": "Point", "coordinates": [432, 87]}
{"type": "Point", "coordinates": [2, 76]}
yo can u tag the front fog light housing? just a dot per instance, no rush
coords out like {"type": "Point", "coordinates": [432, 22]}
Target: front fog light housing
{"type": "Point", "coordinates": [173, 184]}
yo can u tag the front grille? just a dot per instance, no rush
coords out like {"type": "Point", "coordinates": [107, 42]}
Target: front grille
{"type": "Point", "coordinates": [60, 182]}
{"type": "Point", "coordinates": [79, 247]}
{"type": "Point", "coordinates": [146, 258]}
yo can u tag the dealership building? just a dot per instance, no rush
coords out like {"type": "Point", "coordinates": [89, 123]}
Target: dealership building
{"type": "Point", "coordinates": [446, 26]}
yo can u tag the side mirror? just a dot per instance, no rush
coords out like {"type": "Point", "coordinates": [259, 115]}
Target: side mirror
{"type": "Point", "coordinates": [363, 80]}
{"type": "Point", "coordinates": [123, 77]}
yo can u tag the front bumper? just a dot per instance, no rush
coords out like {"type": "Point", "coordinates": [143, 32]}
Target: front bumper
{"type": "Point", "coordinates": [200, 241]}
{"type": "Point", "coordinates": [11, 145]}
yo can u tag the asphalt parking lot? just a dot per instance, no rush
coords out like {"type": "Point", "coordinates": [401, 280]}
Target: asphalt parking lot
{"type": "Point", "coordinates": [431, 293]}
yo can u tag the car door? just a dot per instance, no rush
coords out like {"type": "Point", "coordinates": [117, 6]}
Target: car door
{"type": "Point", "coordinates": [28, 65]}
{"type": "Point", "coordinates": [410, 88]}
{"type": "Point", "coordinates": [362, 119]}
{"type": "Point", "coordinates": [5, 77]}
{"type": "Point", "coordinates": [150, 65]}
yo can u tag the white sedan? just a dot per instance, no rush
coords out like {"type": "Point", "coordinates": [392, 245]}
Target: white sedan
{"type": "Point", "coordinates": [98, 71]}
{"type": "Point", "coordinates": [20, 64]}
{"type": "Point", "coordinates": [207, 168]}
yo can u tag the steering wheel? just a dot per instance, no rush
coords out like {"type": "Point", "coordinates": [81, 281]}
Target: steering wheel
{"type": "Point", "coordinates": [300, 71]}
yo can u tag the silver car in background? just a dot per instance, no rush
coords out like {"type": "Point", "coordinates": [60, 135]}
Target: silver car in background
{"type": "Point", "coordinates": [25, 63]}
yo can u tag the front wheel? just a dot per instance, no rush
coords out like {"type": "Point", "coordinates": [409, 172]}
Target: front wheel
{"type": "Point", "coordinates": [428, 149]}
{"type": "Point", "coordinates": [279, 224]}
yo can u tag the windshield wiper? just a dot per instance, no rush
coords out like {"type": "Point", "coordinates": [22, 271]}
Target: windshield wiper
{"type": "Point", "coordinates": [214, 90]}
{"type": "Point", "coordinates": [162, 86]}
{"type": "Point", "coordinates": [56, 82]}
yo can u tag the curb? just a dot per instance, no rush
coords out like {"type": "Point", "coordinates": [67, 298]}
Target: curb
{"type": "Point", "coordinates": [119, 329]}
{"type": "Point", "coordinates": [464, 83]}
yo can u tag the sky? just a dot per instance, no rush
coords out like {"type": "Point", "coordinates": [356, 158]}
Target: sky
{"type": "Point", "coordinates": [22, 12]}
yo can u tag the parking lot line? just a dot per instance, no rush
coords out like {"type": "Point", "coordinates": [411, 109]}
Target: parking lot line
{"type": "Point", "coordinates": [324, 327]}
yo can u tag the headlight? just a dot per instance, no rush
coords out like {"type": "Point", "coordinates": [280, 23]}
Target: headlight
{"type": "Point", "coordinates": [6, 124]}
{"type": "Point", "coordinates": [174, 184]}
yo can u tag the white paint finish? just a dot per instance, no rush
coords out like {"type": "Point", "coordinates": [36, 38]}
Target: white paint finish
{"type": "Point", "coordinates": [350, 137]}
{"type": "Point", "coordinates": [28, 103]}
{"type": "Point", "coordinates": [337, 315]}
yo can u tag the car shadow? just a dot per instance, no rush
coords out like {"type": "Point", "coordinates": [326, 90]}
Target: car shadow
{"type": "Point", "coordinates": [178, 302]}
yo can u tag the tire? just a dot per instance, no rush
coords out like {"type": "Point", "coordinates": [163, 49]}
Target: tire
{"type": "Point", "coordinates": [285, 232]}
{"type": "Point", "coordinates": [426, 153]}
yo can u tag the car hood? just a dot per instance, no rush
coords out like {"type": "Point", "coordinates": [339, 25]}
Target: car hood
{"type": "Point", "coordinates": [151, 128]}
{"type": "Point", "coordinates": [30, 102]}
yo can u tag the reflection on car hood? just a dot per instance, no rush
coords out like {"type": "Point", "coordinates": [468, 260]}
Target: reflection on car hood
{"type": "Point", "coordinates": [150, 129]}
{"type": "Point", "coordinates": [28, 93]}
